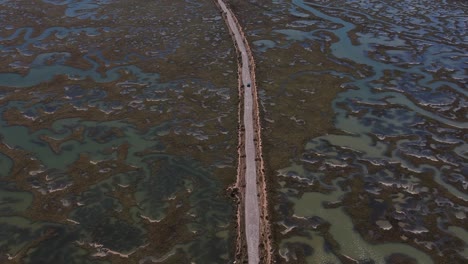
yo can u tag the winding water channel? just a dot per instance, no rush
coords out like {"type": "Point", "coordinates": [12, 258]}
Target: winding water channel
{"type": "Point", "coordinates": [119, 128]}
{"type": "Point", "coordinates": [112, 150]}
{"type": "Point", "coordinates": [365, 125]}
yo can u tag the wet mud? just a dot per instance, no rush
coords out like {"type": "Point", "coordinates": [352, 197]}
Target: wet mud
{"type": "Point", "coordinates": [117, 132]}
{"type": "Point", "coordinates": [363, 109]}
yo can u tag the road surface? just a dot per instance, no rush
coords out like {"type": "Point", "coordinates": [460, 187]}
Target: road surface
{"type": "Point", "coordinates": [251, 203]}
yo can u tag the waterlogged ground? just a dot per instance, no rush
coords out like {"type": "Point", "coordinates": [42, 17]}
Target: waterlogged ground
{"type": "Point", "coordinates": [117, 132]}
{"type": "Point", "coordinates": [365, 127]}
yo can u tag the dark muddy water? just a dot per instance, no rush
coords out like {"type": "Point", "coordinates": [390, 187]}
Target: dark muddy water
{"type": "Point", "coordinates": [365, 127]}
{"type": "Point", "coordinates": [117, 132]}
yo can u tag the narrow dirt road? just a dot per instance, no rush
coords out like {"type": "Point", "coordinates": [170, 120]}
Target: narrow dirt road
{"type": "Point", "coordinates": [251, 203]}
{"type": "Point", "coordinates": [251, 163]}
